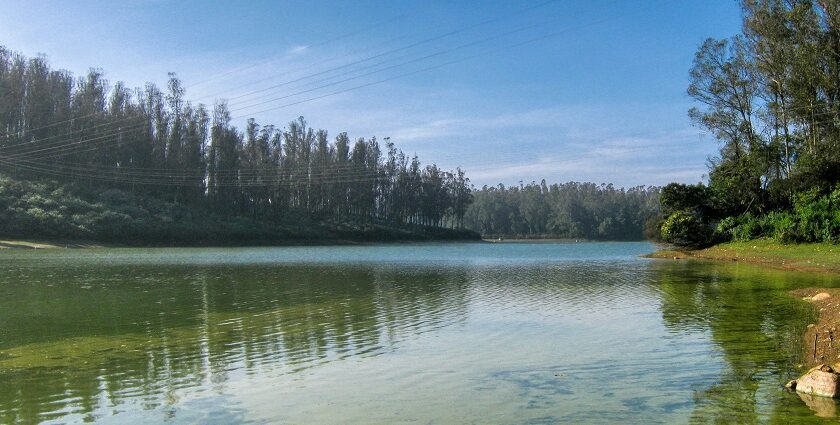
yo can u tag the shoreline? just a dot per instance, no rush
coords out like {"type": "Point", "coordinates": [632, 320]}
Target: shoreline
{"type": "Point", "coordinates": [14, 244]}
{"type": "Point", "coordinates": [814, 257]}
{"type": "Point", "coordinates": [537, 240]}
{"type": "Point", "coordinates": [818, 340]}
{"type": "Point", "coordinates": [818, 344]}
{"type": "Point", "coordinates": [29, 244]}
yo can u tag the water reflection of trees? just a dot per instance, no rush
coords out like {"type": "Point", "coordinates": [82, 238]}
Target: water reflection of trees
{"type": "Point", "coordinates": [755, 326]}
{"type": "Point", "coordinates": [79, 342]}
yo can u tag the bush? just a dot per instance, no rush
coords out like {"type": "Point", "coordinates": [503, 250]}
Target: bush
{"type": "Point", "coordinates": [815, 218]}
{"type": "Point", "coordinates": [781, 226]}
{"type": "Point", "coordinates": [818, 216]}
{"type": "Point", "coordinates": [725, 230]}
{"type": "Point", "coordinates": [686, 229]}
{"type": "Point", "coordinates": [748, 227]}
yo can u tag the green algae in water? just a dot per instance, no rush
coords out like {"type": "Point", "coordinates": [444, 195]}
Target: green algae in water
{"type": "Point", "coordinates": [481, 333]}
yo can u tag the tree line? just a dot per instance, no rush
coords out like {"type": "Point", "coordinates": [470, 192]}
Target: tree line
{"type": "Point", "coordinates": [771, 97]}
{"type": "Point", "coordinates": [567, 210]}
{"type": "Point", "coordinates": [155, 142]}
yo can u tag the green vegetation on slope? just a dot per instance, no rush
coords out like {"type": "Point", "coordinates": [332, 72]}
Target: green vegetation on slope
{"type": "Point", "coordinates": [771, 98]}
{"type": "Point", "coordinates": [52, 211]}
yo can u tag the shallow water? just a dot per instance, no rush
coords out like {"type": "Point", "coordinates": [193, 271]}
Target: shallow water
{"type": "Point", "coordinates": [429, 333]}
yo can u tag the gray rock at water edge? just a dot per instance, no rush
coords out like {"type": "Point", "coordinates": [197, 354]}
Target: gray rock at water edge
{"type": "Point", "coordinates": [821, 380]}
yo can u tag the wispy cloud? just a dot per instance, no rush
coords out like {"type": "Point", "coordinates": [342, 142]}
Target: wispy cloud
{"type": "Point", "coordinates": [561, 144]}
{"type": "Point", "coordinates": [296, 50]}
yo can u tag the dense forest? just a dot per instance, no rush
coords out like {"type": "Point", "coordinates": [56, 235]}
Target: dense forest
{"type": "Point", "coordinates": [569, 210]}
{"type": "Point", "coordinates": [81, 158]}
{"type": "Point", "coordinates": [99, 146]}
{"type": "Point", "coordinates": [771, 98]}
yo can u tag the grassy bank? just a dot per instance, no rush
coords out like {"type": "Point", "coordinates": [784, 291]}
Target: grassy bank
{"type": "Point", "coordinates": [824, 257]}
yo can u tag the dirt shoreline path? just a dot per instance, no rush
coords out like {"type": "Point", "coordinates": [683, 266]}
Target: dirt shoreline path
{"type": "Point", "coordinates": [821, 340]}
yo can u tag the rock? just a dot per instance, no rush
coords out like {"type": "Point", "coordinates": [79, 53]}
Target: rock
{"type": "Point", "coordinates": [821, 380]}
{"type": "Point", "coordinates": [791, 385]}
{"type": "Point", "coordinates": [821, 296]}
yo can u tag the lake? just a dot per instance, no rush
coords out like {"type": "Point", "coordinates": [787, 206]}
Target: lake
{"type": "Point", "coordinates": [415, 333]}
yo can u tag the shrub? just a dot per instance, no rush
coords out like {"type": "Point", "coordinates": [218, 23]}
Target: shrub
{"type": "Point", "coordinates": [781, 226]}
{"type": "Point", "coordinates": [748, 228]}
{"type": "Point", "coordinates": [725, 230]}
{"type": "Point", "coordinates": [686, 229]}
{"type": "Point", "coordinates": [818, 216]}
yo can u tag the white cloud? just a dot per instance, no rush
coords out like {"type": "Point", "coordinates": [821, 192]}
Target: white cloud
{"type": "Point", "coordinates": [296, 50]}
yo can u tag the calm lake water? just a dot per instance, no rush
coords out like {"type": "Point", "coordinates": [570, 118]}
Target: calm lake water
{"type": "Point", "coordinates": [437, 333]}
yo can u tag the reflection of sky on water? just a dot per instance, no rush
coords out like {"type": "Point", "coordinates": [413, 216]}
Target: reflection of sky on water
{"type": "Point", "coordinates": [440, 333]}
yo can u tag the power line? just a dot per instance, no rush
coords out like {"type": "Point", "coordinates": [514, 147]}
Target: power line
{"type": "Point", "coordinates": [403, 48]}
{"type": "Point", "coordinates": [308, 46]}
{"type": "Point", "coordinates": [360, 61]}
{"type": "Point", "coordinates": [353, 176]}
{"type": "Point", "coordinates": [484, 40]}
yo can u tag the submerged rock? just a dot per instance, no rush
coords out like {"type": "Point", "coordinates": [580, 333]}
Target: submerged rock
{"type": "Point", "coordinates": [823, 407]}
{"type": "Point", "coordinates": [821, 380]}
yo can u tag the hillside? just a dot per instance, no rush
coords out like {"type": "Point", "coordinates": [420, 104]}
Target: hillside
{"type": "Point", "coordinates": [48, 210]}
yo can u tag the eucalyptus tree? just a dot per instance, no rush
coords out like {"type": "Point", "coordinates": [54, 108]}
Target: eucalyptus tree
{"type": "Point", "coordinates": [340, 193]}
{"type": "Point", "coordinates": [193, 159]}
{"type": "Point", "coordinates": [224, 160]}
{"type": "Point", "coordinates": [155, 142]}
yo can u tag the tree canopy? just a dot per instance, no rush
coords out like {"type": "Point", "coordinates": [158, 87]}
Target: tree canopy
{"type": "Point", "coordinates": [771, 97]}
{"type": "Point", "coordinates": [157, 143]}
{"type": "Point", "coordinates": [568, 210]}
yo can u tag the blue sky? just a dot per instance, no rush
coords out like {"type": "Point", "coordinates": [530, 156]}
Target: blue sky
{"type": "Point", "coordinates": [511, 91]}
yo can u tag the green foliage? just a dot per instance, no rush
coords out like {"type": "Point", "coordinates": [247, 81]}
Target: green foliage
{"type": "Point", "coordinates": [682, 197]}
{"type": "Point", "coordinates": [652, 230]}
{"type": "Point", "coordinates": [748, 227]}
{"type": "Point", "coordinates": [49, 210]}
{"type": "Point", "coordinates": [725, 228]}
{"type": "Point", "coordinates": [686, 229]}
{"type": "Point", "coordinates": [769, 97]}
{"type": "Point", "coordinates": [814, 218]}
{"type": "Point", "coordinates": [568, 210]}
{"type": "Point", "coordinates": [818, 216]}
{"type": "Point", "coordinates": [781, 226]}
{"type": "Point", "coordinates": [133, 146]}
